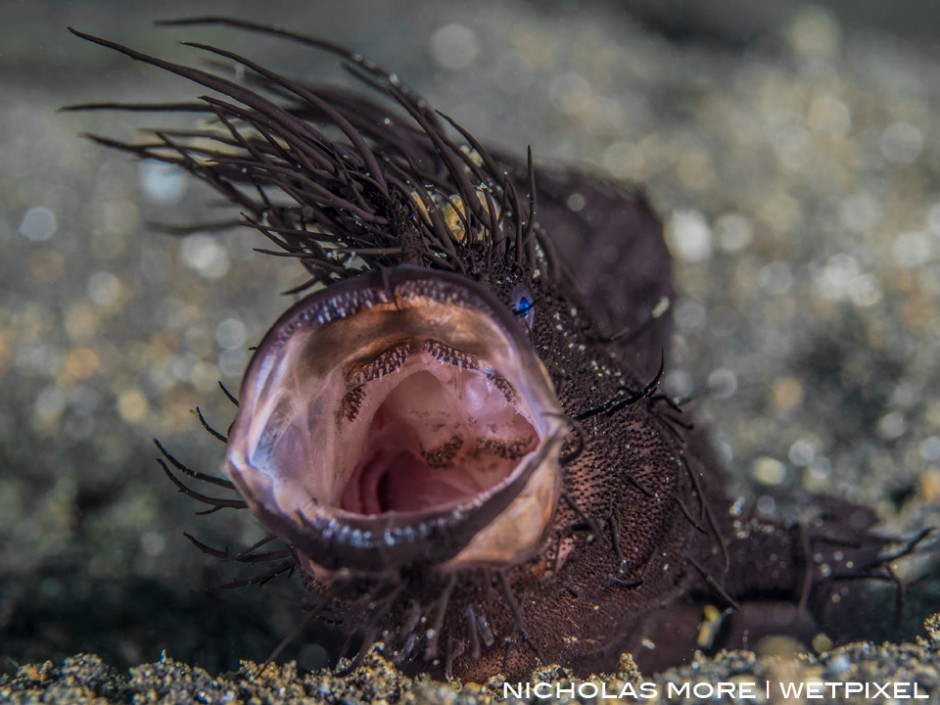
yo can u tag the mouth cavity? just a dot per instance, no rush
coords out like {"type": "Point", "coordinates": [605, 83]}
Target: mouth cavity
{"type": "Point", "coordinates": [429, 427]}
{"type": "Point", "coordinates": [395, 419]}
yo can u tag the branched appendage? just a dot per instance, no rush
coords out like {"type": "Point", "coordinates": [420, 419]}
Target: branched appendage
{"type": "Point", "coordinates": [215, 503]}
{"type": "Point", "coordinates": [570, 454]}
{"type": "Point", "coordinates": [248, 555]}
{"type": "Point", "coordinates": [374, 188]}
{"type": "Point", "coordinates": [835, 559]}
{"type": "Point", "coordinates": [311, 614]}
{"type": "Point", "coordinates": [815, 569]}
{"type": "Point", "coordinates": [626, 396]}
{"type": "Point", "coordinates": [282, 558]}
{"type": "Point", "coordinates": [586, 522]}
{"type": "Point", "coordinates": [377, 607]}
{"type": "Point", "coordinates": [423, 622]}
{"type": "Point", "coordinates": [712, 583]}
{"type": "Point", "coordinates": [706, 524]}
{"type": "Point", "coordinates": [626, 336]}
{"type": "Point", "coordinates": [208, 428]}
{"type": "Point", "coordinates": [703, 521]}
{"type": "Point", "coordinates": [517, 615]}
{"type": "Point", "coordinates": [231, 397]}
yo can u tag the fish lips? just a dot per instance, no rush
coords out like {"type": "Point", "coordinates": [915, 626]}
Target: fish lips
{"type": "Point", "coordinates": [399, 419]}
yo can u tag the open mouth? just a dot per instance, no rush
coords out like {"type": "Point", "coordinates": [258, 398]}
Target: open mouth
{"type": "Point", "coordinates": [430, 429]}
{"type": "Point", "coordinates": [399, 418]}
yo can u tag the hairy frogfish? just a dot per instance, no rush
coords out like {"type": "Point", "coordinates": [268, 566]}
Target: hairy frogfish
{"type": "Point", "coordinates": [458, 433]}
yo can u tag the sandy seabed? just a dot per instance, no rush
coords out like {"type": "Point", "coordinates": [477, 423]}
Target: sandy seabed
{"type": "Point", "coordinates": [794, 158]}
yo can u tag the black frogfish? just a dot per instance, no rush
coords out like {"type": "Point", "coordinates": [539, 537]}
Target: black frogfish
{"type": "Point", "coordinates": [458, 433]}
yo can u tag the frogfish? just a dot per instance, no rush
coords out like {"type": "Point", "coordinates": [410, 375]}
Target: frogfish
{"type": "Point", "coordinates": [458, 433]}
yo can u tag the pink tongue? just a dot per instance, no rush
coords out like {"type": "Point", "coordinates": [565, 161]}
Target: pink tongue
{"type": "Point", "coordinates": [401, 483]}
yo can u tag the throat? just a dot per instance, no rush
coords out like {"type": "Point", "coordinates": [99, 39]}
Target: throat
{"type": "Point", "coordinates": [440, 436]}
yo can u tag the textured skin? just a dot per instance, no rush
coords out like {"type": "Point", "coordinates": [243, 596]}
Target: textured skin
{"type": "Point", "coordinates": [615, 257]}
{"type": "Point", "coordinates": [776, 586]}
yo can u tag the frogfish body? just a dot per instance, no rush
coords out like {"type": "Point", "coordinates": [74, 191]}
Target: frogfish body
{"type": "Point", "coordinates": [458, 432]}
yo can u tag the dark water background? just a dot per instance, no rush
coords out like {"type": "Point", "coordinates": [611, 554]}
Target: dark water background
{"type": "Point", "coordinates": [792, 150]}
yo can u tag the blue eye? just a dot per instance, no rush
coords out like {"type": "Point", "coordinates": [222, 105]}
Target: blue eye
{"type": "Point", "coordinates": [523, 305]}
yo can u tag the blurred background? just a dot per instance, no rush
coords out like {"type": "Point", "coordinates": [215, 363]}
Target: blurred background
{"type": "Point", "coordinates": [791, 149]}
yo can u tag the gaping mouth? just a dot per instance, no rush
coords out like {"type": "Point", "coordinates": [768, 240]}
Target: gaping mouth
{"type": "Point", "coordinates": [399, 418]}
{"type": "Point", "coordinates": [430, 428]}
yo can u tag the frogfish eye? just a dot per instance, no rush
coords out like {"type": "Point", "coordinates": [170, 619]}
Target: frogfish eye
{"type": "Point", "coordinates": [399, 418]}
{"type": "Point", "coordinates": [523, 305]}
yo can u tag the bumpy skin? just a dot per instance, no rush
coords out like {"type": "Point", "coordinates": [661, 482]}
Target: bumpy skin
{"type": "Point", "coordinates": [643, 539]}
{"type": "Point", "coordinates": [781, 576]}
{"type": "Point", "coordinates": [615, 257]}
